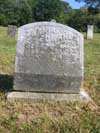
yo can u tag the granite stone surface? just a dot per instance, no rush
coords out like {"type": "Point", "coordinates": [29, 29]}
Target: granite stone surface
{"type": "Point", "coordinates": [12, 31]}
{"type": "Point", "coordinates": [49, 58]}
{"type": "Point", "coordinates": [90, 32]}
{"type": "Point", "coordinates": [32, 97]}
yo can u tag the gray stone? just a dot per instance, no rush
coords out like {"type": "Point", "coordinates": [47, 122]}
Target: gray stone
{"type": "Point", "coordinates": [53, 20]}
{"type": "Point", "coordinates": [32, 97]}
{"type": "Point", "coordinates": [90, 32]}
{"type": "Point", "coordinates": [49, 58]}
{"type": "Point", "coordinates": [11, 31]}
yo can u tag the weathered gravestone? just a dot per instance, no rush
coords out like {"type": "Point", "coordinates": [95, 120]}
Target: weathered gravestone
{"type": "Point", "coordinates": [11, 31]}
{"type": "Point", "coordinates": [53, 20]}
{"type": "Point", "coordinates": [90, 32]}
{"type": "Point", "coordinates": [49, 60]}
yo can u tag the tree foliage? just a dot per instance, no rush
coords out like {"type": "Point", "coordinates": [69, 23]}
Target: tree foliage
{"type": "Point", "coordinates": [79, 19]}
{"type": "Point", "coordinates": [93, 8]}
{"type": "Point", "coordinates": [66, 7]}
{"type": "Point", "coordinates": [15, 12]}
{"type": "Point", "coordinates": [92, 3]}
{"type": "Point", "coordinates": [45, 10]}
{"type": "Point", "coordinates": [24, 12]}
{"type": "Point", "coordinates": [20, 12]}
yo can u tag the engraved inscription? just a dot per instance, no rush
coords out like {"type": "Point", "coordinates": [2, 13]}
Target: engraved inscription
{"type": "Point", "coordinates": [51, 59]}
{"type": "Point", "coordinates": [60, 44]}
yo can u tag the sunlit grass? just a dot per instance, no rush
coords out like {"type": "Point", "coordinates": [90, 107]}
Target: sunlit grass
{"type": "Point", "coordinates": [7, 52]}
{"type": "Point", "coordinates": [50, 117]}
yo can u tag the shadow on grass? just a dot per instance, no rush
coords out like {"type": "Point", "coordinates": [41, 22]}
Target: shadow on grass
{"type": "Point", "coordinates": [6, 83]}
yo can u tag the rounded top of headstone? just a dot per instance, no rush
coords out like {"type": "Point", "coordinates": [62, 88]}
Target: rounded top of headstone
{"type": "Point", "coordinates": [51, 24]}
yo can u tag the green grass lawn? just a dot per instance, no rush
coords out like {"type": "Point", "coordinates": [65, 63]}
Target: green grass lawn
{"type": "Point", "coordinates": [50, 117]}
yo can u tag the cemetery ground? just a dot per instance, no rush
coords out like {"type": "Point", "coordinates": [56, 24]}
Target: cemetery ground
{"type": "Point", "coordinates": [50, 117]}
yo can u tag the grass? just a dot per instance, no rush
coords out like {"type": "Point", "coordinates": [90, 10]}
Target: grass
{"type": "Point", "coordinates": [92, 67]}
{"type": "Point", "coordinates": [7, 52]}
{"type": "Point", "coordinates": [50, 117]}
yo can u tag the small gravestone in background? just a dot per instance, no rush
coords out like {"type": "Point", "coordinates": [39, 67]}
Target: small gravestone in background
{"type": "Point", "coordinates": [53, 20]}
{"type": "Point", "coordinates": [11, 31]}
{"type": "Point", "coordinates": [49, 62]}
{"type": "Point", "coordinates": [90, 32]}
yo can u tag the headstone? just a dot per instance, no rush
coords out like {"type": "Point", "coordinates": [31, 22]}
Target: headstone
{"type": "Point", "coordinates": [53, 20]}
{"type": "Point", "coordinates": [49, 63]}
{"type": "Point", "coordinates": [11, 31]}
{"type": "Point", "coordinates": [49, 58]}
{"type": "Point", "coordinates": [90, 32]}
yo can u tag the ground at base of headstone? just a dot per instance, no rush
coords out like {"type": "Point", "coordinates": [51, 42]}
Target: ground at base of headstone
{"type": "Point", "coordinates": [35, 97]}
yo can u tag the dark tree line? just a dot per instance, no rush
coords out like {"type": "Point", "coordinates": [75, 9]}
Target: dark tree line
{"type": "Point", "coordinates": [20, 12]}
{"type": "Point", "coordinates": [13, 12]}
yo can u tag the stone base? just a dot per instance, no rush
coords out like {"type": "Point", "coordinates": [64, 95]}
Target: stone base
{"type": "Point", "coordinates": [32, 97]}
